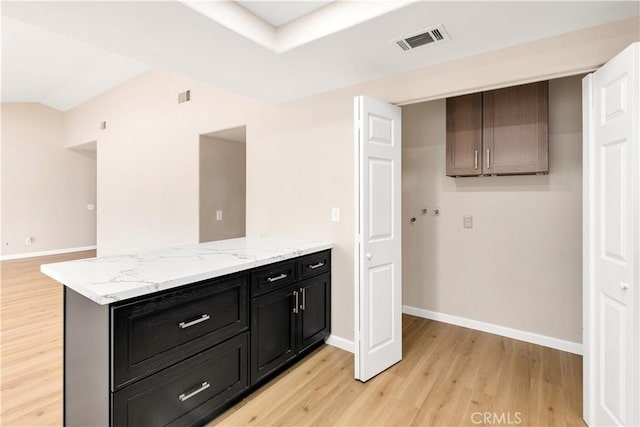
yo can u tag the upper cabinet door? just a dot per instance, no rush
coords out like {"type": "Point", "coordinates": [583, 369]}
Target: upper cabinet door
{"type": "Point", "coordinates": [464, 135]}
{"type": "Point", "coordinates": [516, 137]}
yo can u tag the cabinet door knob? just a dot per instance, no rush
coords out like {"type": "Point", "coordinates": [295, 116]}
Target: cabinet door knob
{"type": "Point", "coordinates": [368, 256]}
{"type": "Point", "coordinates": [624, 286]}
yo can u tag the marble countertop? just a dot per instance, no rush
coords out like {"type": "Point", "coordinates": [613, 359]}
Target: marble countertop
{"type": "Point", "coordinates": [116, 278]}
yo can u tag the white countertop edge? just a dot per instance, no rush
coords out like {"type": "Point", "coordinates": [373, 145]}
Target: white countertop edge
{"type": "Point", "coordinates": [171, 284]}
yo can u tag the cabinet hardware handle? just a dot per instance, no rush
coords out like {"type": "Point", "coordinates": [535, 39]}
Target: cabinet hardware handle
{"type": "Point", "coordinates": [488, 159]}
{"type": "Point", "coordinates": [295, 306]}
{"type": "Point", "coordinates": [314, 266]}
{"type": "Point", "coordinates": [624, 286]}
{"type": "Point", "coordinates": [275, 279]}
{"type": "Point", "coordinates": [186, 396]}
{"type": "Point", "coordinates": [475, 159]}
{"type": "Point", "coordinates": [203, 318]}
{"type": "Point", "coordinates": [304, 298]}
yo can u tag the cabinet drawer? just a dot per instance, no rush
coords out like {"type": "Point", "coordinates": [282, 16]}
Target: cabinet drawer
{"type": "Point", "coordinates": [314, 264]}
{"type": "Point", "coordinates": [157, 332]}
{"type": "Point", "coordinates": [272, 277]}
{"type": "Point", "coordinates": [189, 392]}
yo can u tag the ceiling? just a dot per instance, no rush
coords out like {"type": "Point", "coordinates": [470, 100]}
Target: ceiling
{"type": "Point", "coordinates": [64, 53]}
{"type": "Point", "coordinates": [278, 13]}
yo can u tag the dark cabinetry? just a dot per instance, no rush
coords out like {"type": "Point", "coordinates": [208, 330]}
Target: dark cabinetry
{"type": "Point", "coordinates": [499, 132]}
{"type": "Point", "coordinates": [181, 357]}
{"type": "Point", "coordinates": [464, 135]}
{"type": "Point", "coordinates": [290, 320]}
{"type": "Point", "coordinates": [184, 393]}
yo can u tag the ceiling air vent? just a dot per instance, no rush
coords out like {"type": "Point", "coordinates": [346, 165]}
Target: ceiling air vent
{"type": "Point", "coordinates": [422, 37]}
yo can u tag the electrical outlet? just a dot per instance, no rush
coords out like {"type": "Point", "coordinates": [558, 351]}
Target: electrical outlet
{"type": "Point", "coordinates": [28, 241]}
{"type": "Point", "coordinates": [91, 207]}
{"type": "Point", "coordinates": [219, 215]}
{"type": "Point", "coordinates": [467, 221]}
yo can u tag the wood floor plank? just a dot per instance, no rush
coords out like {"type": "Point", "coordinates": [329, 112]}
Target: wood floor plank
{"type": "Point", "coordinates": [447, 376]}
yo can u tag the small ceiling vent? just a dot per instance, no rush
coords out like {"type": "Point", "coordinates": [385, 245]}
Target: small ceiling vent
{"type": "Point", "coordinates": [422, 38]}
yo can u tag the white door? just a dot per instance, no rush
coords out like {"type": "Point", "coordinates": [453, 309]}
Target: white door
{"type": "Point", "coordinates": [611, 241]}
{"type": "Point", "coordinates": [378, 309]}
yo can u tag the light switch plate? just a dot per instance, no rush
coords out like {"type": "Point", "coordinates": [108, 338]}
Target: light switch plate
{"type": "Point", "coordinates": [219, 215]}
{"type": "Point", "coordinates": [335, 214]}
{"type": "Point", "coordinates": [467, 221]}
{"type": "Point", "coordinates": [91, 207]}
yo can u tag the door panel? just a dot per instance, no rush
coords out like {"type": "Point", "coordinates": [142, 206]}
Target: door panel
{"type": "Point", "coordinates": [378, 261]}
{"type": "Point", "coordinates": [381, 306]}
{"type": "Point", "coordinates": [611, 194]}
{"type": "Point", "coordinates": [380, 199]}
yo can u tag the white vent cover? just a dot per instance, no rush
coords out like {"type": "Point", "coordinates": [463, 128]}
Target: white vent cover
{"type": "Point", "coordinates": [421, 38]}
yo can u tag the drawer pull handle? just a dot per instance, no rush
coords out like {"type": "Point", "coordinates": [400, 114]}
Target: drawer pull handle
{"type": "Point", "coordinates": [203, 318]}
{"type": "Point", "coordinates": [314, 266]}
{"type": "Point", "coordinates": [186, 396]}
{"type": "Point", "coordinates": [275, 279]}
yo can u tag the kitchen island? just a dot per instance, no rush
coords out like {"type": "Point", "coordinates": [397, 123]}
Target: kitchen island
{"type": "Point", "coordinates": [176, 336]}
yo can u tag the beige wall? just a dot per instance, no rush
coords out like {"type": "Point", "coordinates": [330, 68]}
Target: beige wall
{"type": "Point", "coordinates": [520, 266]}
{"type": "Point", "coordinates": [148, 165]}
{"type": "Point", "coordinates": [45, 187]}
{"type": "Point", "coordinates": [299, 155]}
{"type": "Point", "coordinates": [222, 187]}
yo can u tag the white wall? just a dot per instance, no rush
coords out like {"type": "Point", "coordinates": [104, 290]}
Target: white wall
{"type": "Point", "coordinates": [45, 187]}
{"type": "Point", "coordinates": [222, 187]}
{"type": "Point", "coordinates": [521, 264]}
{"type": "Point", "coordinates": [299, 154]}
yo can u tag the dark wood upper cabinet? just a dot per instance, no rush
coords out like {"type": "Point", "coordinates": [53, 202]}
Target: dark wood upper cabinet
{"type": "Point", "coordinates": [499, 132]}
{"type": "Point", "coordinates": [464, 135]}
{"type": "Point", "coordinates": [515, 129]}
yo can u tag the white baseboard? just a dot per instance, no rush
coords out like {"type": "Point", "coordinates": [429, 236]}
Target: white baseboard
{"type": "Point", "coordinates": [546, 341]}
{"type": "Point", "coordinates": [341, 343]}
{"type": "Point", "coordinates": [45, 253]}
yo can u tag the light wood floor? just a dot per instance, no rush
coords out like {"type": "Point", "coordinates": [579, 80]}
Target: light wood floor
{"type": "Point", "coordinates": [447, 376]}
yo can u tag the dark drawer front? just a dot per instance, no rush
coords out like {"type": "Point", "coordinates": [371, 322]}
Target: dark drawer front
{"type": "Point", "coordinates": [272, 277]}
{"type": "Point", "coordinates": [188, 392]}
{"type": "Point", "coordinates": [314, 264]}
{"type": "Point", "coordinates": [157, 332]}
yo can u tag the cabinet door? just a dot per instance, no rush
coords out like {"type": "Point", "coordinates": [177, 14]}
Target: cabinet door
{"type": "Point", "coordinates": [273, 331]}
{"type": "Point", "coordinates": [315, 311]}
{"type": "Point", "coordinates": [464, 135]}
{"type": "Point", "coordinates": [516, 121]}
